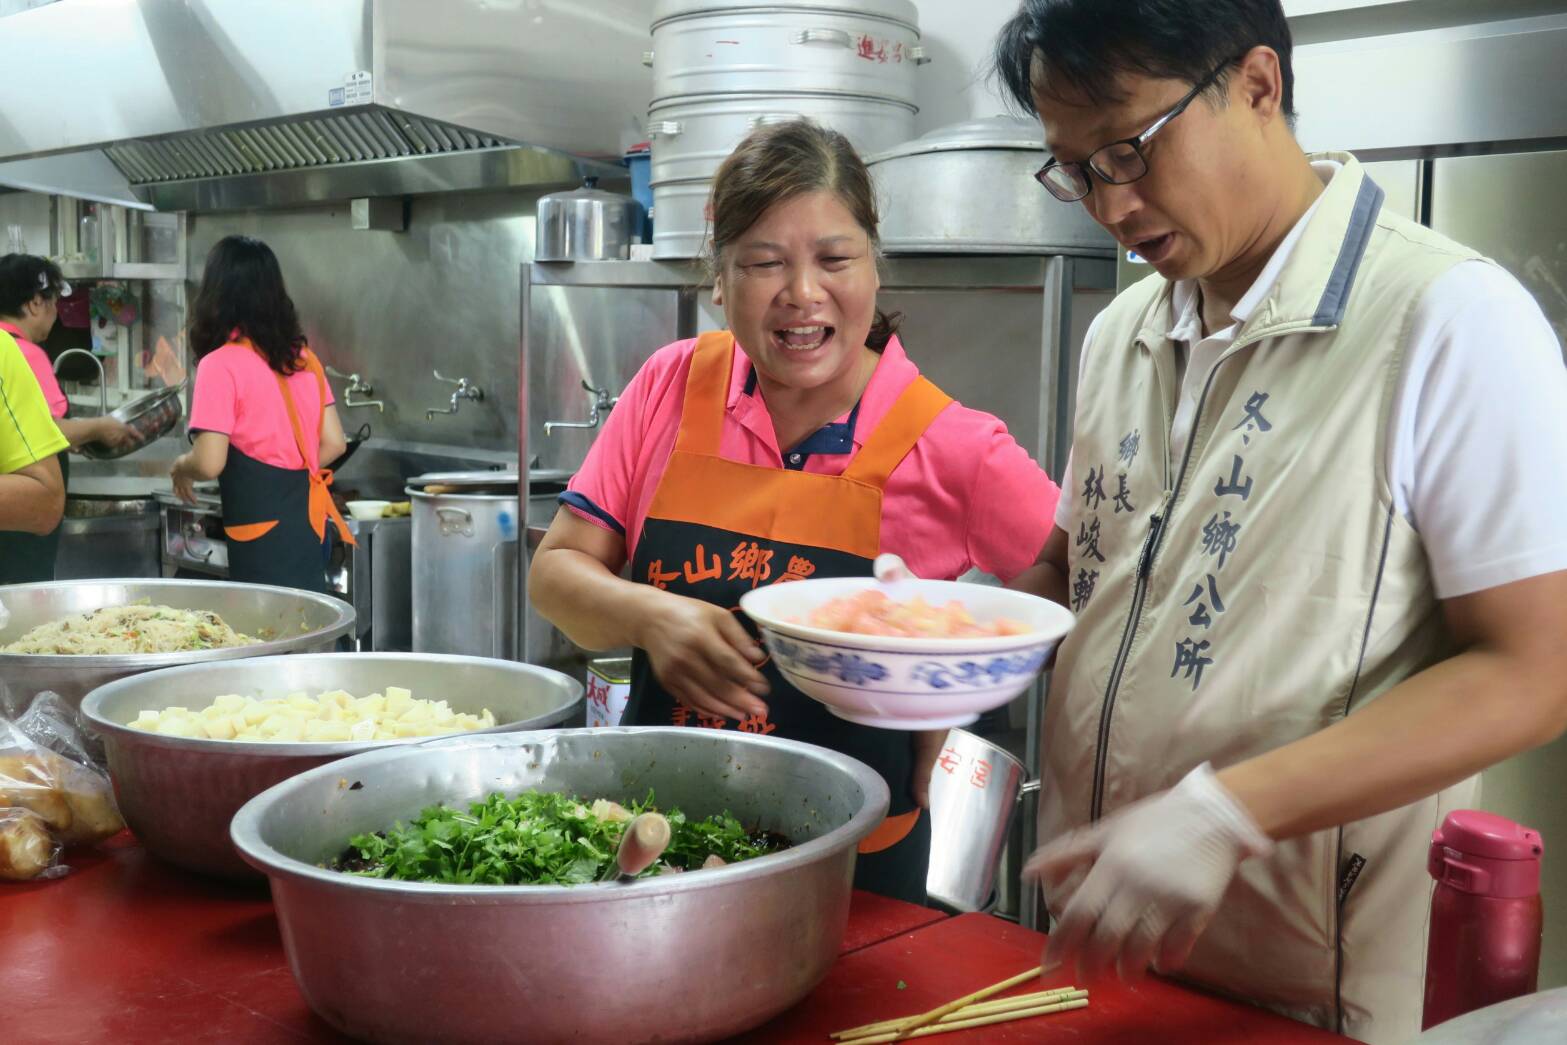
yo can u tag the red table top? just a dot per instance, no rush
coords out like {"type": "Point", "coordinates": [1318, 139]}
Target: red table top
{"type": "Point", "coordinates": [947, 959]}
{"type": "Point", "coordinates": [125, 948]}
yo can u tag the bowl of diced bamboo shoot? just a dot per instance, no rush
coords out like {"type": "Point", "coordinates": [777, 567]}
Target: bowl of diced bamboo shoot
{"type": "Point", "coordinates": [188, 746]}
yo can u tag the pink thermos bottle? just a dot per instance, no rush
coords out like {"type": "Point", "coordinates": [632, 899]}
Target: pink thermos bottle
{"type": "Point", "coordinates": [1485, 914]}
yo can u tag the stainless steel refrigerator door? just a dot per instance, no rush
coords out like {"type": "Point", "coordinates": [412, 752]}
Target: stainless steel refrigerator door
{"type": "Point", "coordinates": [1400, 184]}
{"type": "Point", "coordinates": [1510, 208]}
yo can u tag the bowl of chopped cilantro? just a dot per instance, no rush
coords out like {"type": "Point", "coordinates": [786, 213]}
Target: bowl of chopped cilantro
{"type": "Point", "coordinates": [543, 838]}
{"type": "Point", "coordinates": [457, 889]}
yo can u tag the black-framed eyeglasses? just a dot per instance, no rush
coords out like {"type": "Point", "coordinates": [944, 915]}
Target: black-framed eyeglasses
{"type": "Point", "coordinates": [1121, 162]}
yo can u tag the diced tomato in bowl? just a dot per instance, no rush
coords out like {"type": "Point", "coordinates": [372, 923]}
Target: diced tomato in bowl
{"type": "Point", "coordinates": [912, 654]}
{"type": "Point", "coordinates": [874, 612]}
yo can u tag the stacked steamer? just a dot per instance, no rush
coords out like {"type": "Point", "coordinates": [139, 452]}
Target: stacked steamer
{"type": "Point", "coordinates": [721, 68]}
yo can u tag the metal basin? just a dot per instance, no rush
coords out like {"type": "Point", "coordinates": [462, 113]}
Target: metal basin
{"type": "Point", "coordinates": [178, 794]}
{"type": "Point", "coordinates": [150, 417]}
{"type": "Point", "coordinates": [293, 621]}
{"type": "Point", "coordinates": [682, 958]}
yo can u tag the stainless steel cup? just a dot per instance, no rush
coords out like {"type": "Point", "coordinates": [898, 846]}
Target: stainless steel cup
{"type": "Point", "coordinates": [974, 790]}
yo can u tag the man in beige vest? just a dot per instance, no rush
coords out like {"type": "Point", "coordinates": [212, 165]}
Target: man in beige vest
{"type": "Point", "coordinates": [1314, 529]}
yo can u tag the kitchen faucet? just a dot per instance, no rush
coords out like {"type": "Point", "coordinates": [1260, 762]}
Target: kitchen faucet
{"type": "Point", "coordinates": [464, 391]}
{"type": "Point", "coordinates": [103, 390]}
{"type": "Point", "coordinates": [603, 403]}
{"type": "Point", "coordinates": [356, 386]}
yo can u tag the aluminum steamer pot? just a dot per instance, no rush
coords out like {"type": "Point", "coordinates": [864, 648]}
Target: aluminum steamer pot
{"type": "Point", "coordinates": [465, 560]}
{"type": "Point", "coordinates": [692, 957]}
{"type": "Point", "coordinates": [290, 620]}
{"type": "Point", "coordinates": [938, 195]}
{"type": "Point", "coordinates": [692, 135]}
{"type": "Point", "coordinates": [858, 47]}
{"type": "Point", "coordinates": [178, 794]}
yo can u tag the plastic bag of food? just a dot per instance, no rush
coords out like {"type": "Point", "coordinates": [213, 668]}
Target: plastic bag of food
{"type": "Point", "coordinates": [49, 782]}
{"type": "Point", "coordinates": [27, 849]}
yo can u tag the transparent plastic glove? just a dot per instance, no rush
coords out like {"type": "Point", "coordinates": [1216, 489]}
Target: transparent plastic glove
{"type": "Point", "coordinates": [1155, 873]}
{"type": "Point", "coordinates": [888, 568]}
{"type": "Point", "coordinates": [5, 615]}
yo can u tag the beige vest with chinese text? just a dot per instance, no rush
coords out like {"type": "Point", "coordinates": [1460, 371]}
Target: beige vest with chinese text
{"type": "Point", "coordinates": [1257, 590]}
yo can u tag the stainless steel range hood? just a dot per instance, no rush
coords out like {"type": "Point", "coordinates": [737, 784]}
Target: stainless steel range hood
{"type": "Point", "coordinates": [202, 104]}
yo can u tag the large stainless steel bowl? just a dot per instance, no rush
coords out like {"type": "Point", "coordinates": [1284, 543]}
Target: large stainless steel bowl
{"type": "Point", "coordinates": [681, 958]}
{"type": "Point", "coordinates": [178, 793]}
{"type": "Point", "coordinates": [290, 621]}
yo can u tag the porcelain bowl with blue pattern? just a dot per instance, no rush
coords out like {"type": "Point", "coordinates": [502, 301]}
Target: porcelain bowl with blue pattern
{"type": "Point", "coordinates": [898, 682]}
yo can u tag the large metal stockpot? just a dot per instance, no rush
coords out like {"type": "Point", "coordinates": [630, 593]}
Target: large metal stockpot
{"type": "Point", "coordinates": [179, 793]}
{"type": "Point", "coordinates": [107, 537]}
{"type": "Point", "coordinates": [289, 621]}
{"type": "Point", "coordinates": [586, 224]}
{"type": "Point", "coordinates": [681, 958]}
{"type": "Point", "coordinates": [465, 561]}
{"type": "Point", "coordinates": [692, 135]}
{"type": "Point", "coordinates": [863, 47]}
{"type": "Point", "coordinates": [937, 195]}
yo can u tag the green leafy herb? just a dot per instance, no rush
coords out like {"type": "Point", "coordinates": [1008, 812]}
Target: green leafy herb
{"type": "Point", "coordinates": [536, 838]}
{"type": "Point", "coordinates": [902, 986]}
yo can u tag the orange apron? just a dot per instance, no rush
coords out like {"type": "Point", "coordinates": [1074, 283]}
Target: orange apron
{"type": "Point", "coordinates": [322, 507]}
{"type": "Point", "coordinates": [718, 528]}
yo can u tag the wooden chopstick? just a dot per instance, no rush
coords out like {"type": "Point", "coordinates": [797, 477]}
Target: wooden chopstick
{"type": "Point", "coordinates": [980, 1008]}
{"type": "Point", "coordinates": [1021, 1001]}
{"type": "Point", "coordinates": [986, 1008]}
{"type": "Point", "coordinates": [914, 1023]}
{"type": "Point", "coordinates": [977, 1021]}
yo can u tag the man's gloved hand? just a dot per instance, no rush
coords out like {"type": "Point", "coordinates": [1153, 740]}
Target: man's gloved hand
{"type": "Point", "coordinates": [1152, 876]}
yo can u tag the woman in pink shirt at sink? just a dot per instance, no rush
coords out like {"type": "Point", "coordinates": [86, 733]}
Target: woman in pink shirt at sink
{"type": "Point", "coordinates": [30, 289]}
{"type": "Point", "coordinates": [801, 442]}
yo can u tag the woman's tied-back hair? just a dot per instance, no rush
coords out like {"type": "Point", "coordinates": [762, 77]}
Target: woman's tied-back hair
{"type": "Point", "coordinates": [779, 161]}
{"type": "Point", "coordinates": [242, 289]}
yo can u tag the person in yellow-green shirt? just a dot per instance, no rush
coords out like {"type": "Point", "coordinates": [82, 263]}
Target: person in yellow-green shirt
{"type": "Point", "coordinates": [32, 492]}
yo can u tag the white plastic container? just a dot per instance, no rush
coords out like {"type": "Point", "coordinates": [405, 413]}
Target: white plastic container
{"type": "Point", "coordinates": [363, 510]}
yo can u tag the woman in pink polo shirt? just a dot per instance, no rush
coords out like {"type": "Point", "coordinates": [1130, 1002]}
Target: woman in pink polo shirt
{"type": "Point", "coordinates": [261, 421]}
{"type": "Point", "coordinates": [30, 289]}
{"type": "Point", "coordinates": [798, 443]}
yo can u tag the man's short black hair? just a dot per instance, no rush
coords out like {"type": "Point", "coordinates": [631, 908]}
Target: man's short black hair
{"type": "Point", "coordinates": [1084, 46]}
{"type": "Point", "coordinates": [25, 276]}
